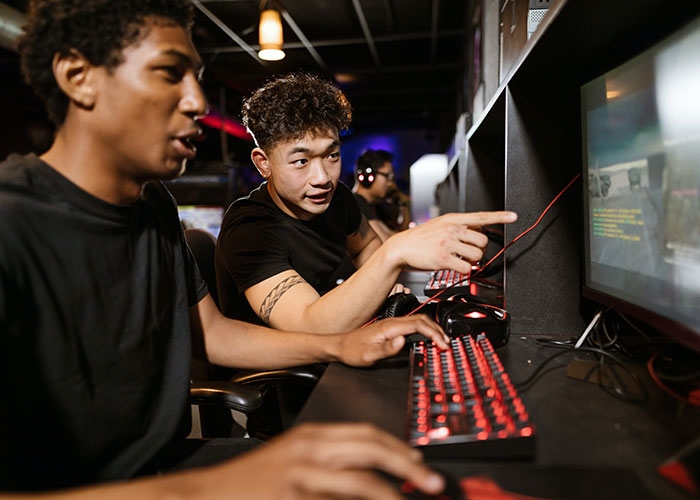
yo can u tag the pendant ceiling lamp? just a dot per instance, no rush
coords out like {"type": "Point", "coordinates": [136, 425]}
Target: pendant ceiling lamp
{"type": "Point", "coordinates": [270, 33]}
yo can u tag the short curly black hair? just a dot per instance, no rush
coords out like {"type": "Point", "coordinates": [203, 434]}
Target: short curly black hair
{"type": "Point", "coordinates": [290, 106]}
{"type": "Point", "coordinates": [374, 159]}
{"type": "Point", "coordinates": [98, 29]}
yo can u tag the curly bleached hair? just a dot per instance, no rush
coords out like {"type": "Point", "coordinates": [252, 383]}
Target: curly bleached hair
{"type": "Point", "coordinates": [98, 29]}
{"type": "Point", "coordinates": [289, 107]}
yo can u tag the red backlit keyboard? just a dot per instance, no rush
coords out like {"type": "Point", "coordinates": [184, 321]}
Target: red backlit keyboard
{"type": "Point", "coordinates": [462, 403]}
{"type": "Point", "coordinates": [446, 278]}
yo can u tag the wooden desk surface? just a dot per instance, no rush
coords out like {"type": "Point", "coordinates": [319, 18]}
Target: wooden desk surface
{"type": "Point", "coordinates": [589, 444]}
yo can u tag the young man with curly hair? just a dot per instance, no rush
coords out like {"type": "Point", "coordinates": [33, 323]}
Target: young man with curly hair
{"type": "Point", "coordinates": [281, 249]}
{"type": "Point", "coordinates": [101, 301]}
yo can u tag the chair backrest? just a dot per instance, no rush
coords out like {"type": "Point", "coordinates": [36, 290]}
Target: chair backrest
{"type": "Point", "coordinates": [287, 387]}
{"type": "Point", "coordinates": [203, 246]}
{"type": "Point", "coordinates": [208, 421]}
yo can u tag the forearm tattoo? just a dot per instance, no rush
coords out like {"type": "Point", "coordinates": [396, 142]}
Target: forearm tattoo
{"type": "Point", "coordinates": [276, 294]}
{"type": "Point", "coordinates": [363, 229]}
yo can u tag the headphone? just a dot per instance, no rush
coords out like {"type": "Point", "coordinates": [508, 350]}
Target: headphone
{"type": "Point", "coordinates": [369, 163]}
{"type": "Point", "coordinates": [366, 175]}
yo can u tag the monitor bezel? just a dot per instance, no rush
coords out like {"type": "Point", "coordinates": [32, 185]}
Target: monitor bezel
{"type": "Point", "coordinates": [665, 325]}
{"type": "Point", "coordinates": [670, 327]}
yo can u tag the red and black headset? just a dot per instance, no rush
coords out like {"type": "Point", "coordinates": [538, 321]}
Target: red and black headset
{"type": "Point", "coordinates": [368, 163]}
{"type": "Point", "coordinates": [365, 176]}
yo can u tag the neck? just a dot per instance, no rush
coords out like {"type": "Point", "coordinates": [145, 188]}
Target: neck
{"type": "Point", "coordinates": [282, 205]}
{"type": "Point", "coordinates": [84, 165]}
{"type": "Point", "coordinates": [366, 195]}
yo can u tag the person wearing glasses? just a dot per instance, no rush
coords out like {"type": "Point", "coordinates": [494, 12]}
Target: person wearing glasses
{"type": "Point", "coordinates": [386, 208]}
{"type": "Point", "coordinates": [281, 249]}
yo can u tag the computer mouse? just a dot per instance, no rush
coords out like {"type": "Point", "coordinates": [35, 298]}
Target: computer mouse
{"type": "Point", "coordinates": [453, 490]}
{"type": "Point", "coordinates": [459, 318]}
{"type": "Point", "coordinates": [416, 337]}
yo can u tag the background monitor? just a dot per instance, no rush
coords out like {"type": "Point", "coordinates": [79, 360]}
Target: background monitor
{"type": "Point", "coordinates": [206, 217]}
{"type": "Point", "coordinates": [641, 171]}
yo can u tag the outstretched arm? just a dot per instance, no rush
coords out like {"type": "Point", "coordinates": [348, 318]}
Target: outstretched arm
{"type": "Point", "coordinates": [309, 461]}
{"type": "Point", "coordinates": [382, 230]}
{"type": "Point", "coordinates": [452, 241]}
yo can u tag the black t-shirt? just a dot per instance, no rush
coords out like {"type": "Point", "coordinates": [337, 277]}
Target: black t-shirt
{"type": "Point", "coordinates": [258, 240]}
{"type": "Point", "coordinates": [95, 347]}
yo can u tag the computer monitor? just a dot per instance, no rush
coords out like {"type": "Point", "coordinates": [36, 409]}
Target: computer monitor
{"type": "Point", "coordinates": [207, 217]}
{"type": "Point", "coordinates": [641, 172]}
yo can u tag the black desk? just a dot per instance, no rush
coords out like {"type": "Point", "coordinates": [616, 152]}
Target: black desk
{"type": "Point", "coordinates": [589, 444]}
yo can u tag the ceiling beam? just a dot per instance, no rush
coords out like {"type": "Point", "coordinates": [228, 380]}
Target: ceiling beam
{"type": "Point", "coordinates": [434, 30]}
{"type": "Point", "coordinates": [11, 26]}
{"type": "Point", "coordinates": [368, 34]}
{"type": "Point", "coordinates": [229, 32]}
{"type": "Point", "coordinates": [389, 16]}
{"type": "Point", "coordinates": [305, 41]}
{"type": "Point", "coordinates": [340, 42]}
{"type": "Point", "coordinates": [406, 69]}
{"type": "Point", "coordinates": [395, 90]}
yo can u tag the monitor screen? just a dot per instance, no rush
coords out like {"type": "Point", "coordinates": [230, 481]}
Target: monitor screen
{"type": "Point", "coordinates": [206, 217]}
{"type": "Point", "coordinates": [641, 170]}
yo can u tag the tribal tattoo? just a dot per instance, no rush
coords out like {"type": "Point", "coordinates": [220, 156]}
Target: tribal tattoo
{"type": "Point", "coordinates": [276, 294]}
{"type": "Point", "coordinates": [363, 229]}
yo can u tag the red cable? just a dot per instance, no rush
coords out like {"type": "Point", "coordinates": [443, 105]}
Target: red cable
{"type": "Point", "coordinates": [551, 204]}
{"type": "Point", "coordinates": [691, 400]}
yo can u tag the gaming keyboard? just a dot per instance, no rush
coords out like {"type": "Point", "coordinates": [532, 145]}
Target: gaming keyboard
{"type": "Point", "coordinates": [462, 404]}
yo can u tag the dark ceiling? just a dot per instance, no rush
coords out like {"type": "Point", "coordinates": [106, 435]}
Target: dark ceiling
{"type": "Point", "coordinates": [400, 62]}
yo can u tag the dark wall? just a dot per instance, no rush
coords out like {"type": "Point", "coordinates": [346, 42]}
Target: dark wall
{"type": "Point", "coordinates": [23, 123]}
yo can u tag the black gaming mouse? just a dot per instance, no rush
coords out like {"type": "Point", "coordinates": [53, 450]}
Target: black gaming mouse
{"type": "Point", "coordinates": [459, 318]}
{"type": "Point", "coordinates": [453, 490]}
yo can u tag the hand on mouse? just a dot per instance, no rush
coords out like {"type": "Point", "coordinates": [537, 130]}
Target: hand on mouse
{"type": "Point", "coordinates": [327, 461]}
{"type": "Point", "coordinates": [310, 461]}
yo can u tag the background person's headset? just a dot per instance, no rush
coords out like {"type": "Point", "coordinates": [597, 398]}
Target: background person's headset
{"type": "Point", "coordinates": [366, 175]}
{"type": "Point", "coordinates": [368, 163]}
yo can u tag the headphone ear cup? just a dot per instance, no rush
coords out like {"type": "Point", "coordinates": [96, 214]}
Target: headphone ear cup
{"type": "Point", "coordinates": [365, 176]}
{"type": "Point", "coordinates": [398, 304]}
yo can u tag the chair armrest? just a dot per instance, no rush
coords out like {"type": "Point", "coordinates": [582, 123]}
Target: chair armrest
{"type": "Point", "coordinates": [305, 374]}
{"type": "Point", "coordinates": [226, 394]}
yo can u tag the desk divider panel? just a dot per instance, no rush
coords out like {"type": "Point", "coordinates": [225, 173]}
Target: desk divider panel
{"type": "Point", "coordinates": [543, 282]}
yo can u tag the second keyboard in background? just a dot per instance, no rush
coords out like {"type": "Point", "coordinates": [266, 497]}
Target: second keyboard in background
{"type": "Point", "coordinates": [446, 278]}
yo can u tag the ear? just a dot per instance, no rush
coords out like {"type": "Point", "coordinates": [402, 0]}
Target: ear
{"type": "Point", "coordinates": [75, 76]}
{"type": "Point", "coordinates": [261, 161]}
